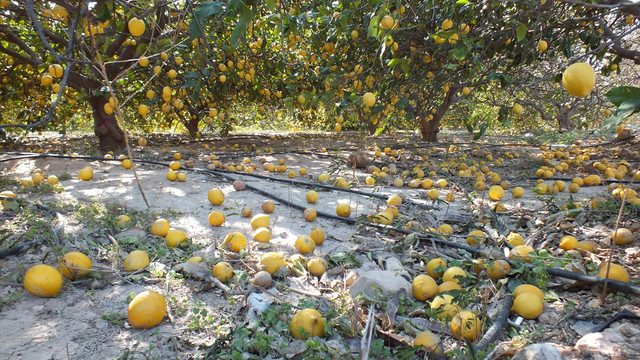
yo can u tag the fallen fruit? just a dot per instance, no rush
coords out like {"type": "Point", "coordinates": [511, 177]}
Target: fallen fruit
{"type": "Point", "coordinates": [146, 310]}
{"type": "Point", "coordinates": [74, 264]}
{"type": "Point", "coordinates": [306, 323]}
{"type": "Point", "coordinates": [43, 281]}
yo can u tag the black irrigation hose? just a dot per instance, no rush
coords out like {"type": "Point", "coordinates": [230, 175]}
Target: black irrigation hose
{"type": "Point", "coordinates": [588, 279]}
{"type": "Point", "coordinates": [59, 229]}
{"type": "Point", "coordinates": [498, 324]}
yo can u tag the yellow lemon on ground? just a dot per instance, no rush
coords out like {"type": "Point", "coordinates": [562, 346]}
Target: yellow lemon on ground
{"type": "Point", "coordinates": [136, 260]}
{"type": "Point", "coordinates": [527, 305]}
{"type": "Point", "coordinates": [466, 325]}
{"type": "Point", "coordinates": [517, 192]}
{"type": "Point", "coordinates": [586, 246]}
{"type": "Point", "coordinates": [172, 175]}
{"type": "Point", "coordinates": [523, 288]}
{"type": "Point", "coordinates": [568, 242]}
{"type": "Point", "coordinates": [318, 236]}
{"type": "Point", "coordinates": [146, 310]}
{"type": "Point", "coordinates": [424, 287]}
{"type": "Point", "coordinates": [343, 210]}
{"type": "Point", "coordinates": [216, 196]}
{"type": "Point", "coordinates": [394, 200]}
{"type": "Point", "coordinates": [309, 214]}
{"type": "Point", "coordinates": [86, 174]}
{"type": "Point", "coordinates": [622, 236]}
{"type": "Point", "coordinates": [262, 235]}
{"type": "Point", "coordinates": [305, 245]}
{"type": "Point", "coordinates": [74, 265]}
{"type": "Point", "coordinates": [446, 310]}
{"type": "Point", "coordinates": [498, 269]}
{"type": "Point", "coordinates": [268, 206]}
{"type": "Point", "coordinates": [476, 237]}
{"type": "Point", "coordinates": [522, 252]}
{"type": "Point", "coordinates": [126, 163]}
{"type": "Point", "coordinates": [579, 79]}
{"type": "Point", "coordinates": [433, 265]}
{"type": "Point", "coordinates": [223, 271]}
{"type": "Point", "coordinates": [174, 237]}
{"type": "Point", "coordinates": [216, 218]}
{"type": "Point", "coordinates": [448, 286]}
{"type": "Point", "coordinates": [515, 239]}
{"type": "Point", "coordinates": [317, 266]}
{"type": "Point", "coordinates": [160, 227]}
{"type": "Point", "coordinates": [306, 323]}
{"type": "Point", "coordinates": [616, 272]}
{"type": "Point", "coordinates": [453, 273]}
{"type": "Point", "coordinates": [433, 194]}
{"type": "Point", "coordinates": [235, 241]}
{"type": "Point", "coordinates": [122, 220]}
{"type": "Point", "coordinates": [496, 192]}
{"type": "Point", "coordinates": [260, 220]}
{"type": "Point", "coordinates": [312, 196]}
{"type": "Point", "coordinates": [271, 262]}
{"type": "Point", "coordinates": [43, 281]}
{"type": "Point", "coordinates": [430, 341]}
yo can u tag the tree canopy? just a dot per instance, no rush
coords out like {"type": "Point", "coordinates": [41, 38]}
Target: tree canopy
{"type": "Point", "coordinates": [151, 65]}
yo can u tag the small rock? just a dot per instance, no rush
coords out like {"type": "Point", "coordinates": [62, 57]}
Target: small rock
{"type": "Point", "coordinates": [609, 343]}
{"type": "Point", "coordinates": [549, 317]}
{"type": "Point", "coordinates": [387, 282]}
{"type": "Point", "coordinates": [359, 160]}
{"type": "Point", "coordinates": [546, 351]}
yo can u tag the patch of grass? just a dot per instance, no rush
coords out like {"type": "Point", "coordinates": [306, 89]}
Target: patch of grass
{"type": "Point", "coordinates": [115, 318]}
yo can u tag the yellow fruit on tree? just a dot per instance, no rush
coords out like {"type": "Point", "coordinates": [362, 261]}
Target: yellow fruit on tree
{"type": "Point", "coordinates": [466, 325]}
{"type": "Point", "coordinates": [216, 196]}
{"type": "Point", "coordinates": [447, 24]}
{"type": "Point", "coordinates": [43, 281]}
{"type": "Point", "coordinates": [223, 271]}
{"type": "Point", "coordinates": [386, 22]}
{"type": "Point", "coordinates": [306, 323]}
{"type": "Point", "coordinates": [517, 109]}
{"type": "Point", "coordinates": [235, 241]}
{"type": "Point", "coordinates": [74, 265]}
{"type": "Point", "coordinates": [160, 227]}
{"type": "Point", "coordinates": [369, 99]}
{"type": "Point", "coordinates": [424, 287]}
{"type": "Point", "coordinates": [136, 260]}
{"type": "Point", "coordinates": [542, 45]}
{"type": "Point", "coordinates": [527, 305]}
{"type": "Point", "coordinates": [579, 79]}
{"type": "Point", "coordinates": [216, 218]}
{"type": "Point", "coordinates": [55, 70]}
{"type": "Point", "coordinates": [304, 244]}
{"type": "Point", "coordinates": [271, 262]}
{"type": "Point", "coordinates": [146, 310]}
{"type": "Point", "coordinates": [136, 27]}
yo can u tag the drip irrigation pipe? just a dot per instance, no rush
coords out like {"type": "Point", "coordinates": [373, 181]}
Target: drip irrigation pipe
{"type": "Point", "coordinates": [498, 324]}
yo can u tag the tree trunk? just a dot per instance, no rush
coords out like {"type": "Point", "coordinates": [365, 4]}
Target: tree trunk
{"type": "Point", "coordinates": [105, 126]}
{"type": "Point", "coordinates": [430, 129]}
{"type": "Point", "coordinates": [564, 117]}
{"type": "Point", "coordinates": [192, 126]}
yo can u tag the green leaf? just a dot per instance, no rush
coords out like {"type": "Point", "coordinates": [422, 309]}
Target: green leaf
{"type": "Point", "coordinates": [625, 109]}
{"type": "Point", "coordinates": [469, 127]}
{"type": "Point", "coordinates": [503, 116]}
{"type": "Point", "coordinates": [620, 94]}
{"type": "Point", "coordinates": [460, 53]}
{"type": "Point", "coordinates": [521, 31]}
{"type": "Point", "coordinates": [462, 2]}
{"type": "Point", "coordinates": [395, 61]}
{"type": "Point", "coordinates": [201, 15]}
{"type": "Point", "coordinates": [246, 15]}
{"type": "Point", "coordinates": [482, 130]}
{"type": "Point", "coordinates": [405, 66]}
{"type": "Point", "coordinates": [271, 5]}
{"type": "Point", "coordinates": [372, 30]}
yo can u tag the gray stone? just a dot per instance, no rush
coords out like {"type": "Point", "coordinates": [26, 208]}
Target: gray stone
{"type": "Point", "coordinates": [386, 282]}
{"type": "Point", "coordinates": [546, 351]}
